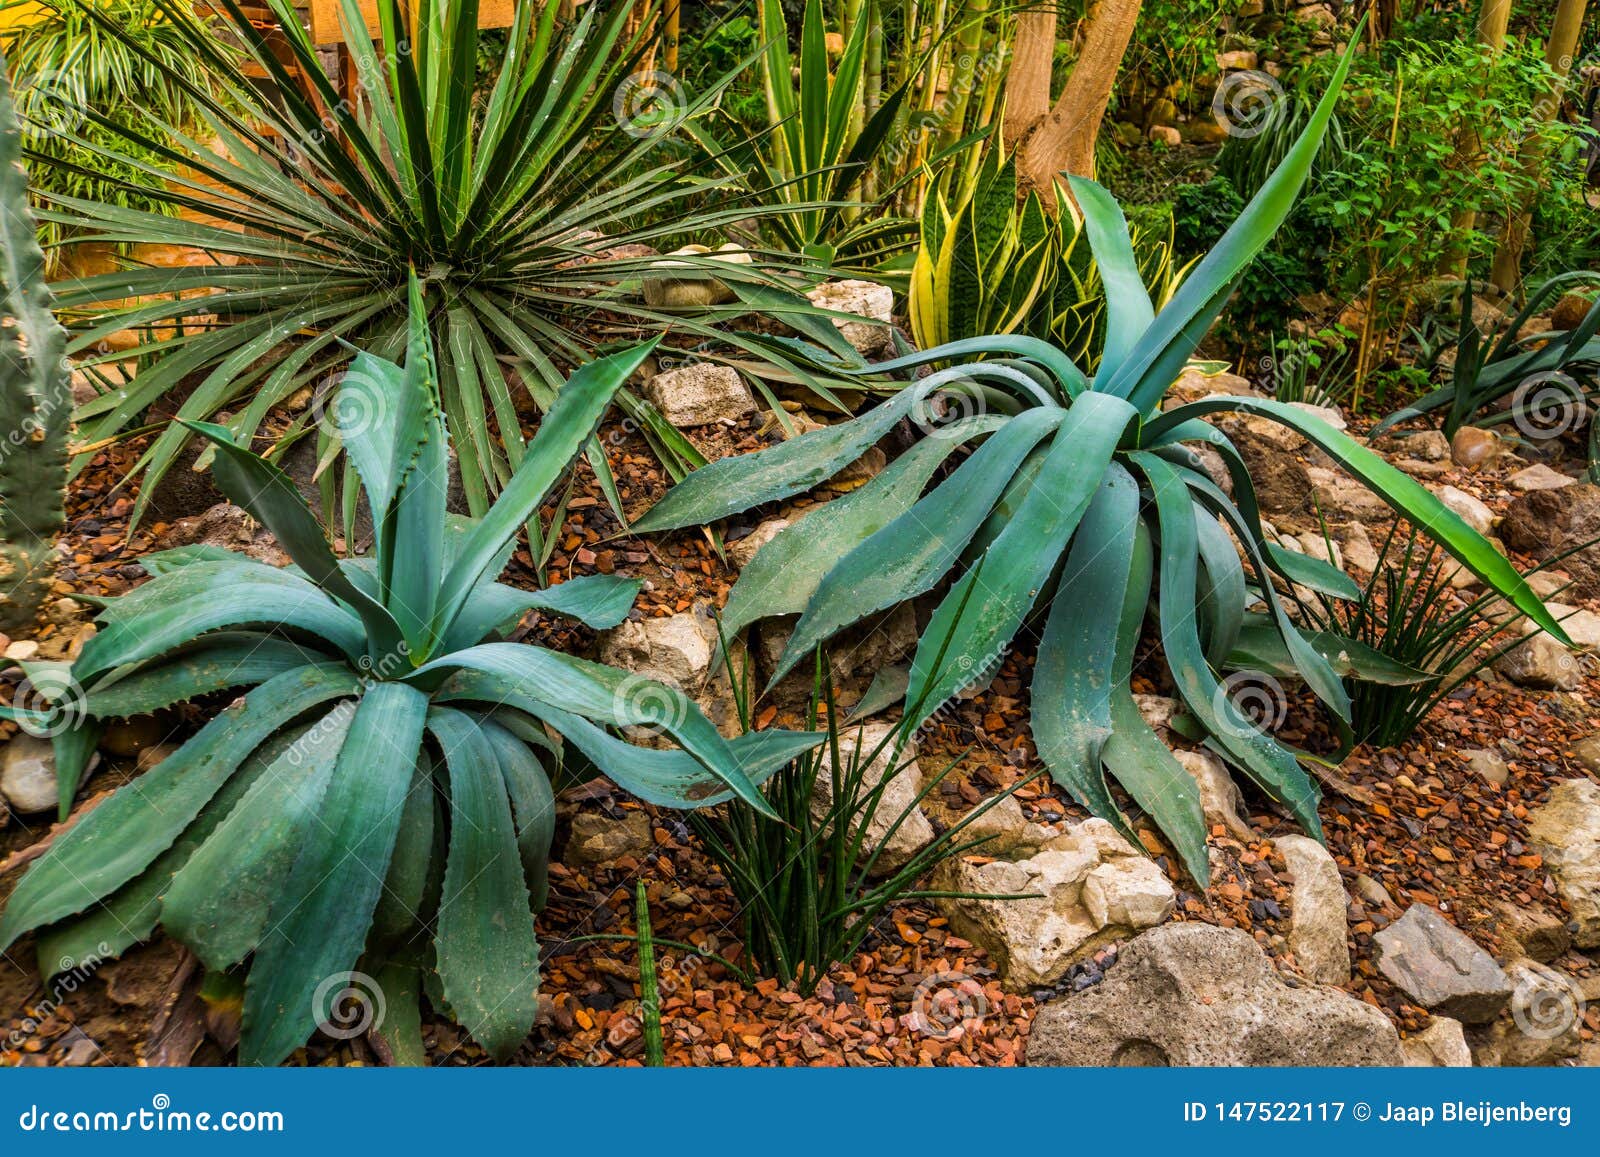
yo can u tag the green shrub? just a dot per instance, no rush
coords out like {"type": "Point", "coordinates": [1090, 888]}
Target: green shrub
{"type": "Point", "coordinates": [382, 797]}
{"type": "Point", "coordinates": [1079, 505]}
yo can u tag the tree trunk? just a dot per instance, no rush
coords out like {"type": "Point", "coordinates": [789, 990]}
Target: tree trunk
{"type": "Point", "coordinates": [1028, 83]}
{"type": "Point", "coordinates": [1507, 271]}
{"type": "Point", "coordinates": [1493, 18]}
{"type": "Point", "coordinates": [1063, 142]}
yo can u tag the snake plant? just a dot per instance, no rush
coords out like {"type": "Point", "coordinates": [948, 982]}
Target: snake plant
{"type": "Point", "coordinates": [35, 393]}
{"type": "Point", "coordinates": [1079, 505]}
{"type": "Point", "coordinates": [381, 797]}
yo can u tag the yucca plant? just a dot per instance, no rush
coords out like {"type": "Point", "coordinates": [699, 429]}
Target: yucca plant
{"type": "Point", "coordinates": [1079, 504]}
{"type": "Point", "coordinates": [381, 797]}
{"type": "Point", "coordinates": [310, 208]}
{"type": "Point", "coordinates": [1516, 379]}
{"type": "Point", "coordinates": [816, 154]}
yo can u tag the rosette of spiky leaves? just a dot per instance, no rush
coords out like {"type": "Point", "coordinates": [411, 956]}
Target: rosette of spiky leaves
{"type": "Point", "coordinates": [1530, 380]}
{"type": "Point", "coordinates": [305, 207]}
{"type": "Point", "coordinates": [1080, 506]}
{"type": "Point", "coordinates": [380, 796]}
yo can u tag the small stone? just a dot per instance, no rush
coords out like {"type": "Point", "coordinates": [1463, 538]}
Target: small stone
{"type": "Point", "coordinates": [1539, 477]}
{"type": "Point", "coordinates": [1488, 766]}
{"type": "Point", "coordinates": [1157, 710]}
{"type": "Point", "coordinates": [1370, 892]}
{"type": "Point", "coordinates": [598, 839]}
{"type": "Point", "coordinates": [28, 774]}
{"type": "Point", "coordinates": [1356, 545]}
{"type": "Point", "coordinates": [1438, 967]}
{"type": "Point", "coordinates": [1475, 448]}
{"type": "Point", "coordinates": [865, 299]}
{"type": "Point", "coordinates": [1442, 1045]}
{"type": "Point", "coordinates": [1424, 445]}
{"type": "Point", "coordinates": [688, 283]}
{"type": "Point", "coordinates": [1540, 661]}
{"type": "Point", "coordinates": [700, 394]}
{"type": "Point", "coordinates": [1472, 511]}
{"type": "Point", "coordinates": [1529, 932]}
{"type": "Point", "coordinates": [741, 552]}
{"type": "Point", "coordinates": [1317, 926]}
{"type": "Point", "coordinates": [1545, 1024]}
{"type": "Point", "coordinates": [1220, 799]}
{"type": "Point", "coordinates": [126, 738]}
{"type": "Point", "coordinates": [22, 650]}
{"type": "Point", "coordinates": [1241, 58]}
{"type": "Point", "coordinates": [151, 756]}
{"type": "Point", "coordinates": [1165, 135]}
{"type": "Point", "coordinates": [1327, 414]}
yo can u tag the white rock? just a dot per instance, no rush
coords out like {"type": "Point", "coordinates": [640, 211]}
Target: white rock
{"type": "Point", "coordinates": [1539, 477]}
{"type": "Point", "coordinates": [1157, 710]}
{"type": "Point", "coordinates": [1566, 831]}
{"type": "Point", "coordinates": [899, 797]}
{"type": "Point", "coordinates": [689, 284]}
{"type": "Point", "coordinates": [1093, 888]}
{"type": "Point", "coordinates": [1442, 1045]}
{"type": "Point", "coordinates": [1314, 544]}
{"type": "Point", "coordinates": [1328, 414]}
{"type": "Point", "coordinates": [1540, 661]}
{"type": "Point", "coordinates": [1317, 926]}
{"type": "Point", "coordinates": [681, 651]}
{"type": "Point", "coordinates": [1220, 799]}
{"type": "Point", "coordinates": [740, 553]}
{"type": "Point", "coordinates": [28, 774]}
{"type": "Point", "coordinates": [1357, 548]}
{"type": "Point", "coordinates": [1475, 513]}
{"type": "Point", "coordinates": [700, 394]}
{"type": "Point", "coordinates": [864, 299]}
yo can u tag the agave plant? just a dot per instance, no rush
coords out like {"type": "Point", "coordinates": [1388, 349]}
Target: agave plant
{"type": "Point", "coordinates": [1079, 503]}
{"type": "Point", "coordinates": [310, 207]}
{"type": "Point", "coordinates": [382, 794]}
{"type": "Point", "coordinates": [1521, 380]}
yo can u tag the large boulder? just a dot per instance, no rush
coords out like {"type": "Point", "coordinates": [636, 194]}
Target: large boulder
{"type": "Point", "coordinates": [1084, 889]}
{"type": "Point", "coordinates": [1437, 966]}
{"type": "Point", "coordinates": [1190, 994]}
{"type": "Point", "coordinates": [1544, 523]}
{"type": "Point", "coordinates": [1566, 832]}
{"type": "Point", "coordinates": [1317, 926]}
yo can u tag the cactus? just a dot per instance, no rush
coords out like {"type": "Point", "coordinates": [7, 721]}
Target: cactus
{"type": "Point", "coordinates": [35, 393]}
